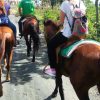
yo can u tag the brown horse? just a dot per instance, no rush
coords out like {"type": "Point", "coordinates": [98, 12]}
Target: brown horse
{"type": "Point", "coordinates": [6, 50]}
{"type": "Point", "coordinates": [30, 28]}
{"type": "Point", "coordinates": [83, 67]}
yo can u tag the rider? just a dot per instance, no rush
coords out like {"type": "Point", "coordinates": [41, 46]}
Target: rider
{"type": "Point", "coordinates": [65, 10]}
{"type": "Point", "coordinates": [6, 9]}
{"type": "Point", "coordinates": [26, 9]}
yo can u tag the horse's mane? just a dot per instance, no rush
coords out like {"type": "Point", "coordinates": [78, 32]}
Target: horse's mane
{"type": "Point", "coordinates": [49, 22]}
{"type": "Point", "coordinates": [54, 27]}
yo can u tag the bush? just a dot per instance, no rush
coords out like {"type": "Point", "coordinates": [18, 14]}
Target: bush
{"type": "Point", "coordinates": [51, 14]}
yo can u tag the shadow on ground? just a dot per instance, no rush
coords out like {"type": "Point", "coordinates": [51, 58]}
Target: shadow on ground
{"type": "Point", "coordinates": [23, 70]}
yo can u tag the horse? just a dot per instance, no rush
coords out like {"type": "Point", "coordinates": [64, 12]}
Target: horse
{"type": "Point", "coordinates": [83, 68]}
{"type": "Point", "coordinates": [7, 41]}
{"type": "Point", "coordinates": [30, 28]}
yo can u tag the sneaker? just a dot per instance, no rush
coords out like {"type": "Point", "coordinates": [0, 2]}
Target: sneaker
{"type": "Point", "coordinates": [50, 71]}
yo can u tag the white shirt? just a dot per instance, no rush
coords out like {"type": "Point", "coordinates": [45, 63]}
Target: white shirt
{"type": "Point", "coordinates": [67, 8]}
{"type": "Point", "coordinates": [82, 6]}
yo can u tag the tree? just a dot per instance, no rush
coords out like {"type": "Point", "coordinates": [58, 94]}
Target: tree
{"type": "Point", "coordinates": [53, 2]}
{"type": "Point", "coordinates": [97, 10]}
{"type": "Point", "coordinates": [97, 15]}
{"type": "Point", "coordinates": [60, 1]}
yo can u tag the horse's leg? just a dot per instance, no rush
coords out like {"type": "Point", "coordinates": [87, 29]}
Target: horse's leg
{"type": "Point", "coordinates": [54, 94]}
{"type": "Point", "coordinates": [61, 87]}
{"type": "Point", "coordinates": [28, 45]}
{"type": "Point", "coordinates": [5, 59]}
{"type": "Point", "coordinates": [30, 42]}
{"type": "Point", "coordinates": [33, 59]}
{"type": "Point", "coordinates": [9, 60]}
{"type": "Point", "coordinates": [34, 49]}
{"type": "Point", "coordinates": [81, 90]}
{"type": "Point", "coordinates": [1, 92]}
{"type": "Point", "coordinates": [98, 86]}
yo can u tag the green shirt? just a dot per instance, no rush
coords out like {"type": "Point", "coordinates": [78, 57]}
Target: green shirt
{"type": "Point", "coordinates": [27, 7]}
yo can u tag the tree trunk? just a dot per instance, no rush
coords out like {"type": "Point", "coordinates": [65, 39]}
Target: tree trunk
{"type": "Point", "coordinates": [97, 11]}
{"type": "Point", "coordinates": [97, 16]}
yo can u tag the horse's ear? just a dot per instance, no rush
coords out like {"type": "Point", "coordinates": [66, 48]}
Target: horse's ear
{"type": "Point", "coordinates": [45, 21]}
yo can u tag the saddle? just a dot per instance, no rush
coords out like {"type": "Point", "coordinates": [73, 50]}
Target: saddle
{"type": "Point", "coordinates": [68, 50]}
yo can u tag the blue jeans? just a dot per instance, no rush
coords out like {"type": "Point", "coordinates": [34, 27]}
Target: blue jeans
{"type": "Point", "coordinates": [20, 24]}
{"type": "Point", "coordinates": [4, 19]}
{"type": "Point", "coordinates": [13, 27]}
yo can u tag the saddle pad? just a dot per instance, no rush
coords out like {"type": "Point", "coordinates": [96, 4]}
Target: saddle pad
{"type": "Point", "coordinates": [67, 52]}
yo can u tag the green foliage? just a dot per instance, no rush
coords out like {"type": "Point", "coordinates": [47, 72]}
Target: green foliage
{"type": "Point", "coordinates": [91, 19]}
{"type": "Point", "coordinates": [48, 13]}
{"type": "Point", "coordinates": [93, 26]}
{"type": "Point", "coordinates": [51, 14]}
{"type": "Point", "coordinates": [53, 2]}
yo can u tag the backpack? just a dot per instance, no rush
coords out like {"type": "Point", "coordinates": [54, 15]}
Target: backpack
{"type": "Point", "coordinates": [80, 23]}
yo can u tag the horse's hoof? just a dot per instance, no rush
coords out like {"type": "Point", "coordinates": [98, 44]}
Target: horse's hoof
{"type": "Point", "coordinates": [8, 79]}
{"type": "Point", "coordinates": [1, 93]}
{"type": "Point", "coordinates": [1, 90]}
{"type": "Point", "coordinates": [98, 86]}
{"type": "Point", "coordinates": [33, 60]}
{"type": "Point", "coordinates": [30, 49]}
{"type": "Point", "coordinates": [28, 55]}
{"type": "Point", "coordinates": [53, 95]}
{"type": "Point", "coordinates": [17, 42]}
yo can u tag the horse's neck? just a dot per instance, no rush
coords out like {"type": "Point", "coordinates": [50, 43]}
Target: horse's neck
{"type": "Point", "coordinates": [52, 34]}
{"type": "Point", "coordinates": [49, 36]}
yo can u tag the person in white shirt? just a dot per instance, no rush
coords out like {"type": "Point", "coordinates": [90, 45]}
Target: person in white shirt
{"type": "Point", "coordinates": [66, 15]}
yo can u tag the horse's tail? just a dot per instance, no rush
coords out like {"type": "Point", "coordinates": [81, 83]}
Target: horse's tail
{"type": "Point", "coordinates": [35, 36]}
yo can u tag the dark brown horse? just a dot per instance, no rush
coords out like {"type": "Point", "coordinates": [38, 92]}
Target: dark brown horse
{"type": "Point", "coordinates": [6, 50]}
{"type": "Point", "coordinates": [30, 28]}
{"type": "Point", "coordinates": [83, 67]}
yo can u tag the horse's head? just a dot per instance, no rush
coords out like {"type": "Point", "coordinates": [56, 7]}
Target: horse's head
{"type": "Point", "coordinates": [50, 29]}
